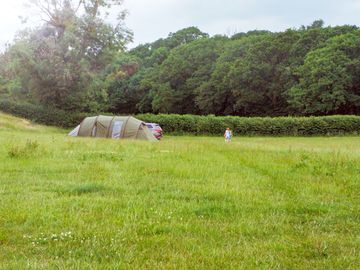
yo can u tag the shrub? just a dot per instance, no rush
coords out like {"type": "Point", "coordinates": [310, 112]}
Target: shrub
{"type": "Point", "coordinates": [42, 115]}
{"type": "Point", "coordinates": [204, 125]}
{"type": "Point", "coordinates": [251, 126]}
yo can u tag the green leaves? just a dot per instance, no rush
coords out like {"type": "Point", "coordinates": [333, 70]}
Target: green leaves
{"type": "Point", "coordinates": [81, 65]}
{"type": "Point", "coordinates": [327, 78]}
{"type": "Point", "coordinates": [312, 70]}
{"type": "Point", "coordinates": [60, 64]}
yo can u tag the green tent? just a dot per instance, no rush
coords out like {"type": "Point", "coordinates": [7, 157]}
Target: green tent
{"type": "Point", "coordinates": [117, 127]}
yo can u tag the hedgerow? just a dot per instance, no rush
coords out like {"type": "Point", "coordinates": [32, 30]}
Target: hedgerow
{"type": "Point", "coordinates": [204, 125]}
{"type": "Point", "coordinates": [251, 126]}
{"type": "Point", "coordinates": [42, 115]}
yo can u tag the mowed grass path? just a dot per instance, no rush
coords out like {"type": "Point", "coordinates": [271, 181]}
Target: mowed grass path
{"type": "Point", "coordinates": [182, 203]}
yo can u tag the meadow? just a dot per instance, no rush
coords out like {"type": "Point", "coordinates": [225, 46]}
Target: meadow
{"type": "Point", "coordinates": [181, 203]}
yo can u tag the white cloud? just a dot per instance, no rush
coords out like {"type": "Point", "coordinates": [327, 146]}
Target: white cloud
{"type": "Point", "coordinates": [152, 19]}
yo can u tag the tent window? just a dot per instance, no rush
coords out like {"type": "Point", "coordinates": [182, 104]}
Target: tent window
{"type": "Point", "coordinates": [116, 131]}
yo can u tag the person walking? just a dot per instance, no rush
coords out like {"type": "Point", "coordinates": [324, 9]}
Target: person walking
{"type": "Point", "coordinates": [228, 135]}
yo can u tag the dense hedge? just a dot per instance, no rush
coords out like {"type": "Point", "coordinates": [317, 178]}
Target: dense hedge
{"type": "Point", "coordinates": [279, 126]}
{"type": "Point", "coordinates": [42, 115]}
{"type": "Point", "coordinates": [204, 125]}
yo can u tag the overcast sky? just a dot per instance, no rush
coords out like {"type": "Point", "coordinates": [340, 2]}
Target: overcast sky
{"type": "Point", "coordinates": [152, 19]}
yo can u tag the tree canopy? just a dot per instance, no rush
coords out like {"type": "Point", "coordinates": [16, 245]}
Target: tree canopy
{"type": "Point", "coordinates": [76, 61]}
{"type": "Point", "coordinates": [60, 63]}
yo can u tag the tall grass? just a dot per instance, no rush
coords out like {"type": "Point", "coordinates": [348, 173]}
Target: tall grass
{"type": "Point", "coordinates": [182, 203]}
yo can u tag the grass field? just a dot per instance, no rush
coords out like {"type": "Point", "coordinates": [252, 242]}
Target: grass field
{"type": "Point", "coordinates": [182, 203]}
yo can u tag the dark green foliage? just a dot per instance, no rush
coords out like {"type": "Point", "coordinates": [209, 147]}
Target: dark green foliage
{"type": "Point", "coordinates": [312, 70]}
{"type": "Point", "coordinates": [329, 78]}
{"type": "Point", "coordinates": [123, 81]}
{"type": "Point", "coordinates": [42, 115]}
{"type": "Point", "coordinates": [174, 85]}
{"type": "Point", "coordinates": [251, 126]}
{"type": "Point", "coordinates": [61, 63]}
{"type": "Point", "coordinates": [181, 37]}
{"type": "Point", "coordinates": [204, 125]}
{"type": "Point", "coordinates": [309, 71]}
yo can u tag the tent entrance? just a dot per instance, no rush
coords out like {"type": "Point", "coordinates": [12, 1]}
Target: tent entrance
{"type": "Point", "coordinates": [116, 129]}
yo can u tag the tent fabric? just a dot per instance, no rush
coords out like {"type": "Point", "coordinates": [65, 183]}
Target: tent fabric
{"type": "Point", "coordinates": [75, 131]}
{"type": "Point", "coordinates": [117, 127]}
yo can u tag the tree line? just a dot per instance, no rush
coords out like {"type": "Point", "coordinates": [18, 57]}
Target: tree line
{"type": "Point", "coordinates": [312, 70]}
{"type": "Point", "coordinates": [77, 62]}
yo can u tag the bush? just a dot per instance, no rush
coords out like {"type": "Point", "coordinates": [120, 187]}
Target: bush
{"type": "Point", "coordinates": [262, 126]}
{"type": "Point", "coordinates": [204, 125]}
{"type": "Point", "coordinates": [42, 115]}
